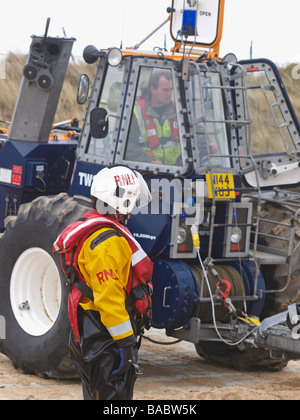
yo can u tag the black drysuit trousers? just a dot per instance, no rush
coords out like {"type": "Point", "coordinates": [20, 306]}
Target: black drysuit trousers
{"type": "Point", "coordinates": [96, 357]}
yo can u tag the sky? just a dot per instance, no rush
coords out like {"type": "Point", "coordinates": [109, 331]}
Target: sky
{"type": "Point", "coordinates": [272, 25]}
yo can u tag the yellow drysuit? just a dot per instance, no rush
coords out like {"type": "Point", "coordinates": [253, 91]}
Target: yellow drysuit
{"type": "Point", "coordinates": [106, 269]}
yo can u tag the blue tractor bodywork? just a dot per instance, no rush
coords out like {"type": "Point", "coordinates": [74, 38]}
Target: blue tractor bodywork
{"type": "Point", "coordinates": [30, 169]}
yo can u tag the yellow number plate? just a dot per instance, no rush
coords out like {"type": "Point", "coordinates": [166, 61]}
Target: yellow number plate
{"type": "Point", "coordinates": [223, 185]}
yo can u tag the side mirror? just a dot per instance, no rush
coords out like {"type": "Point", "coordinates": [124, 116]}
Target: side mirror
{"type": "Point", "coordinates": [99, 123]}
{"type": "Point", "coordinates": [83, 89]}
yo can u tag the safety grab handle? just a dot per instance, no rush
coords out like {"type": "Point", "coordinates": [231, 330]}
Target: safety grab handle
{"type": "Point", "coordinates": [165, 297]}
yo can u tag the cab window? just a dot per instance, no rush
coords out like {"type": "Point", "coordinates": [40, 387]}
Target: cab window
{"type": "Point", "coordinates": [153, 136]}
{"type": "Point", "coordinates": [209, 119]}
{"type": "Point", "coordinates": [270, 132]}
{"type": "Point", "coordinates": [109, 100]}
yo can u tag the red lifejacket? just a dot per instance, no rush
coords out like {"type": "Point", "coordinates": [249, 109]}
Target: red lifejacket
{"type": "Point", "coordinates": [150, 127]}
{"type": "Point", "coordinates": [69, 244]}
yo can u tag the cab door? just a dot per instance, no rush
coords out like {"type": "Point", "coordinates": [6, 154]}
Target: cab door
{"type": "Point", "coordinates": [268, 133]}
{"type": "Point", "coordinates": [169, 155]}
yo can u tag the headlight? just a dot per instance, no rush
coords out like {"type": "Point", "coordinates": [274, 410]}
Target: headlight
{"type": "Point", "coordinates": [114, 57]}
{"type": "Point", "coordinates": [182, 234]}
{"type": "Point", "coordinates": [181, 241]}
{"type": "Point", "coordinates": [238, 232]}
{"type": "Point", "coordinates": [236, 235]}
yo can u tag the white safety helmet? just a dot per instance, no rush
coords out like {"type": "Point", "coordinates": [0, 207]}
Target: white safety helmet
{"type": "Point", "coordinates": [119, 189]}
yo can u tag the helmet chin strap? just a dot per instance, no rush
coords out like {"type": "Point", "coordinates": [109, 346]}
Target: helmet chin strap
{"type": "Point", "coordinates": [123, 221]}
{"type": "Point", "coordinates": [110, 212]}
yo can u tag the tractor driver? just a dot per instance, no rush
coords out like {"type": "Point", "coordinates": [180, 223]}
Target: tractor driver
{"type": "Point", "coordinates": [154, 133]}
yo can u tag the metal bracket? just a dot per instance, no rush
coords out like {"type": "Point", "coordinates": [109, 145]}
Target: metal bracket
{"type": "Point", "coordinates": [278, 319]}
{"type": "Point", "coordinates": [191, 334]}
{"type": "Point", "coordinates": [272, 322]}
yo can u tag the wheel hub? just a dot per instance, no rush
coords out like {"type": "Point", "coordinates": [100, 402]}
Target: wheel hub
{"type": "Point", "coordinates": [35, 291]}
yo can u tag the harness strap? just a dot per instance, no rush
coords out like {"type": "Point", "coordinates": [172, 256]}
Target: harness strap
{"type": "Point", "coordinates": [82, 287]}
{"type": "Point", "coordinates": [73, 280]}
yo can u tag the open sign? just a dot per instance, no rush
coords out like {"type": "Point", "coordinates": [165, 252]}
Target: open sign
{"type": "Point", "coordinates": [200, 22]}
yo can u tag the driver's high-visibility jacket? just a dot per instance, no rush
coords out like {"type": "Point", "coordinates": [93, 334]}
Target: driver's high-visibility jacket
{"type": "Point", "coordinates": [160, 133]}
{"type": "Point", "coordinates": [106, 268]}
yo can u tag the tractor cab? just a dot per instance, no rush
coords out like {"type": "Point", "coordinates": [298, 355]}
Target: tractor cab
{"type": "Point", "coordinates": [180, 116]}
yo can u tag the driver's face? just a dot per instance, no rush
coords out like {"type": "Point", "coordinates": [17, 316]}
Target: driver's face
{"type": "Point", "coordinates": [163, 94]}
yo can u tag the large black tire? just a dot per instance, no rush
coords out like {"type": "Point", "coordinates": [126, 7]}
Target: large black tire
{"type": "Point", "coordinates": [33, 292]}
{"type": "Point", "coordinates": [276, 277]}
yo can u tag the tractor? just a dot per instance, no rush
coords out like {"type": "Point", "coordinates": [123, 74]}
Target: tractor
{"type": "Point", "coordinates": [223, 227]}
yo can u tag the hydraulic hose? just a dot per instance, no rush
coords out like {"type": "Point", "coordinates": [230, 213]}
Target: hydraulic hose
{"type": "Point", "coordinates": [196, 242]}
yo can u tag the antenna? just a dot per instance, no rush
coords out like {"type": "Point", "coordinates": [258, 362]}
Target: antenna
{"type": "Point", "coordinates": [47, 27]}
{"type": "Point", "coordinates": [137, 46]}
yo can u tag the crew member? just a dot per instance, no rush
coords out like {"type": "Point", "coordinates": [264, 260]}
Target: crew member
{"type": "Point", "coordinates": [110, 299]}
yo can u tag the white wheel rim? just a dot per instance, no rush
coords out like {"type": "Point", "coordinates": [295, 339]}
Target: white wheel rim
{"type": "Point", "coordinates": [35, 291]}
